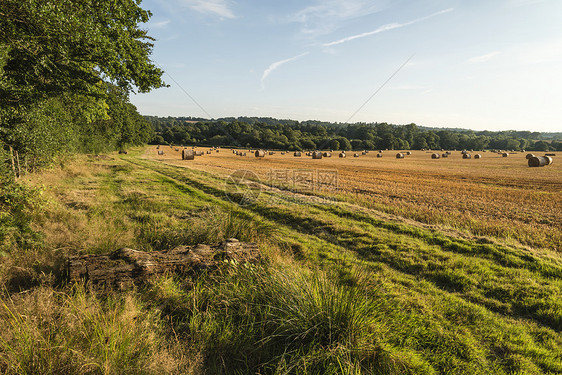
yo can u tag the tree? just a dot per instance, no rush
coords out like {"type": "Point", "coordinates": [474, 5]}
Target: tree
{"type": "Point", "coordinates": [344, 144]}
{"type": "Point", "coordinates": [54, 47]}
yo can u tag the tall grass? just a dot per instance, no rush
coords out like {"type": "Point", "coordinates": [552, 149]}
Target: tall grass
{"type": "Point", "coordinates": [48, 332]}
{"type": "Point", "coordinates": [257, 319]}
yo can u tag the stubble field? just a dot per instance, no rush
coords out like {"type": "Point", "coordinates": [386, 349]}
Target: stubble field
{"type": "Point", "coordinates": [495, 196]}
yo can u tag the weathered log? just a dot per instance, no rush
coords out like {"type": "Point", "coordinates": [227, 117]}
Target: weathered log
{"type": "Point", "coordinates": [126, 267]}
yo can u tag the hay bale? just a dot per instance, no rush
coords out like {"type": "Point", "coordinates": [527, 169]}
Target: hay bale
{"type": "Point", "coordinates": [399, 155]}
{"type": "Point", "coordinates": [317, 155]}
{"type": "Point", "coordinates": [445, 155]}
{"type": "Point", "coordinates": [467, 156]}
{"type": "Point", "coordinates": [158, 147]}
{"type": "Point", "coordinates": [477, 156]}
{"type": "Point", "coordinates": [271, 152]}
{"type": "Point", "coordinates": [379, 155]}
{"type": "Point", "coordinates": [187, 154]}
{"type": "Point", "coordinates": [505, 154]}
{"type": "Point", "coordinates": [327, 154]}
{"type": "Point", "coordinates": [528, 156]}
{"type": "Point", "coordinates": [259, 153]}
{"type": "Point", "coordinates": [297, 154]}
{"type": "Point", "coordinates": [539, 161]}
{"type": "Point", "coordinates": [342, 154]}
{"type": "Point", "coordinates": [160, 152]}
{"type": "Point", "coordinates": [409, 153]}
{"type": "Point", "coordinates": [355, 155]}
{"type": "Point", "coordinates": [364, 153]}
{"type": "Point", "coordinates": [464, 152]}
{"type": "Point", "coordinates": [435, 156]}
{"type": "Point", "coordinates": [198, 153]}
{"type": "Point", "coordinates": [282, 152]}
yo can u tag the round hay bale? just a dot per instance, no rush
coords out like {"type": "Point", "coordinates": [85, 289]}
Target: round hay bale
{"type": "Point", "coordinates": [187, 154]}
{"type": "Point", "coordinates": [409, 153]}
{"type": "Point", "coordinates": [379, 155]}
{"type": "Point", "coordinates": [271, 152]}
{"type": "Point", "coordinates": [364, 153]}
{"type": "Point", "coordinates": [445, 155]}
{"type": "Point", "coordinates": [177, 149]}
{"type": "Point", "coordinates": [435, 156]}
{"type": "Point", "coordinates": [477, 156]}
{"type": "Point", "coordinates": [528, 156]}
{"type": "Point", "coordinates": [160, 152]}
{"type": "Point", "coordinates": [259, 153]}
{"type": "Point", "coordinates": [158, 147]}
{"type": "Point", "coordinates": [505, 154]}
{"type": "Point", "coordinates": [399, 155]}
{"type": "Point", "coordinates": [327, 154]}
{"type": "Point", "coordinates": [539, 161]}
{"type": "Point", "coordinates": [297, 154]}
{"type": "Point", "coordinates": [356, 155]}
{"type": "Point", "coordinates": [342, 155]}
{"type": "Point", "coordinates": [317, 155]}
{"type": "Point", "coordinates": [464, 152]}
{"type": "Point", "coordinates": [467, 156]}
{"type": "Point", "coordinates": [282, 152]}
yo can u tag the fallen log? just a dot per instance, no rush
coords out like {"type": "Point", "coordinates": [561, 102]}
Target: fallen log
{"type": "Point", "coordinates": [125, 267]}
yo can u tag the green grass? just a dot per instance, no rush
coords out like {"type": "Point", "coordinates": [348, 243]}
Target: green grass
{"type": "Point", "coordinates": [343, 289]}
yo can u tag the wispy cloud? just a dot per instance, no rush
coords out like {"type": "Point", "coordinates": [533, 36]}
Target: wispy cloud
{"type": "Point", "coordinates": [326, 16]}
{"type": "Point", "coordinates": [159, 24]}
{"type": "Point", "coordinates": [276, 65]}
{"type": "Point", "coordinates": [387, 27]}
{"type": "Point", "coordinates": [217, 7]}
{"type": "Point", "coordinates": [483, 58]}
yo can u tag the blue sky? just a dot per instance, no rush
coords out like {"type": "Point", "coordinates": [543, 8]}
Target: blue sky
{"type": "Point", "coordinates": [493, 65]}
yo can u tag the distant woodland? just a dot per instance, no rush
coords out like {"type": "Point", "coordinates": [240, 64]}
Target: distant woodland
{"type": "Point", "coordinates": [253, 132]}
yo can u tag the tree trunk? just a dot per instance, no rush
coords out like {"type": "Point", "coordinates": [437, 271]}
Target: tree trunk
{"type": "Point", "coordinates": [126, 267]}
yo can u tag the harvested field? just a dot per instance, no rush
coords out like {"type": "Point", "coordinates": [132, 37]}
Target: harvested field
{"type": "Point", "coordinates": [496, 196]}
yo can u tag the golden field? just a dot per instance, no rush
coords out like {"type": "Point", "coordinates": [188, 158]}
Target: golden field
{"type": "Point", "coordinates": [494, 196]}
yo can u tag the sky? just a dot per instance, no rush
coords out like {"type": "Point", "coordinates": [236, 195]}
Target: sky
{"type": "Point", "coordinates": [476, 64]}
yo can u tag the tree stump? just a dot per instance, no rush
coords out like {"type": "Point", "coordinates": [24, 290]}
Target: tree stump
{"type": "Point", "coordinates": [125, 267]}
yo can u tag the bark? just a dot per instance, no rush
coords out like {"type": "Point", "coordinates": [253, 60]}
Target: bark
{"type": "Point", "coordinates": [125, 266]}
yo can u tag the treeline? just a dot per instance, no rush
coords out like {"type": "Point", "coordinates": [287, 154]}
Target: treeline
{"type": "Point", "coordinates": [66, 71]}
{"type": "Point", "coordinates": [252, 132]}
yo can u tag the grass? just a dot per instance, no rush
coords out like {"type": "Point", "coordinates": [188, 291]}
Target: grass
{"type": "Point", "coordinates": [344, 288]}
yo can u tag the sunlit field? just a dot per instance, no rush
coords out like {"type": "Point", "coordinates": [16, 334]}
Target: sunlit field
{"type": "Point", "coordinates": [413, 266]}
{"type": "Point", "coordinates": [493, 196]}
